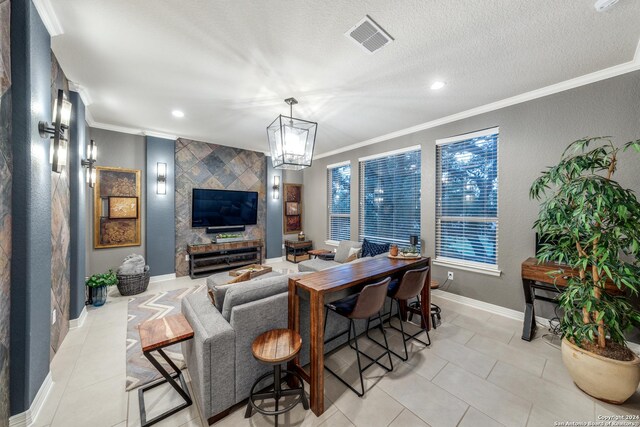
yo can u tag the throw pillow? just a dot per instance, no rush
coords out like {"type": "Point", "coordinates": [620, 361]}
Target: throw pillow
{"type": "Point", "coordinates": [353, 254]}
{"type": "Point", "coordinates": [217, 296]}
{"type": "Point", "coordinates": [373, 249]}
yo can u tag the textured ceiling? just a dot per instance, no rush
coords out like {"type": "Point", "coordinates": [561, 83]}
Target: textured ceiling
{"type": "Point", "coordinates": [228, 64]}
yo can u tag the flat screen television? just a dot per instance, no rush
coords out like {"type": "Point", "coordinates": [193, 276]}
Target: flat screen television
{"type": "Point", "coordinates": [220, 208]}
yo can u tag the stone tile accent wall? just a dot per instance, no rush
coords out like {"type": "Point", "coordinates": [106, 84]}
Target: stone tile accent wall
{"type": "Point", "coordinates": [5, 207]}
{"type": "Point", "coordinates": [202, 165]}
{"type": "Point", "coordinates": [60, 232]}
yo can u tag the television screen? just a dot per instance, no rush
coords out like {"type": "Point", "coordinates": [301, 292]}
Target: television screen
{"type": "Point", "coordinates": [219, 208]}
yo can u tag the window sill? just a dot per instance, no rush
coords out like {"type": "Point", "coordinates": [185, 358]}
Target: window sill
{"type": "Point", "coordinates": [467, 267]}
{"type": "Point", "coordinates": [332, 243]}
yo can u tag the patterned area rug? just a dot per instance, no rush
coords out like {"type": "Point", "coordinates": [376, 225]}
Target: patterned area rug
{"type": "Point", "coordinates": [148, 307]}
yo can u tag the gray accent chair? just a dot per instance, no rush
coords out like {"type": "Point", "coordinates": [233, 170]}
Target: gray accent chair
{"type": "Point", "coordinates": [342, 254]}
{"type": "Point", "coordinates": [219, 358]}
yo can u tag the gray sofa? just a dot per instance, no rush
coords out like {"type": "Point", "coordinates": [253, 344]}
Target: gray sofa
{"type": "Point", "coordinates": [219, 357]}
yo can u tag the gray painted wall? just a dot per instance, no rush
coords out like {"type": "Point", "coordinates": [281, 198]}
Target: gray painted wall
{"type": "Point", "coordinates": [274, 214]}
{"type": "Point", "coordinates": [121, 150]}
{"type": "Point", "coordinates": [295, 177]}
{"type": "Point", "coordinates": [160, 219]}
{"type": "Point", "coordinates": [78, 189]}
{"type": "Point", "coordinates": [31, 263]}
{"type": "Point", "coordinates": [532, 136]}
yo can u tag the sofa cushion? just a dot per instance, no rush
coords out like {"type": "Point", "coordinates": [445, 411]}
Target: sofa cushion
{"type": "Point", "coordinates": [218, 285]}
{"type": "Point", "coordinates": [373, 249]}
{"type": "Point", "coordinates": [342, 253]}
{"type": "Point", "coordinates": [316, 265]}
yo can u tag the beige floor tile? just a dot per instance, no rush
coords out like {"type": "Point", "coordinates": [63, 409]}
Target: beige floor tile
{"type": "Point", "coordinates": [337, 419]}
{"type": "Point", "coordinates": [505, 407]}
{"type": "Point", "coordinates": [98, 366]}
{"type": "Point", "coordinates": [157, 401]}
{"type": "Point", "coordinates": [555, 372]}
{"type": "Point", "coordinates": [537, 346]}
{"type": "Point", "coordinates": [63, 363]}
{"type": "Point", "coordinates": [630, 407]}
{"type": "Point", "coordinates": [462, 309]}
{"type": "Point", "coordinates": [485, 328]}
{"type": "Point", "coordinates": [428, 401]}
{"type": "Point", "coordinates": [506, 322]}
{"type": "Point", "coordinates": [426, 363]}
{"type": "Point", "coordinates": [408, 419]}
{"type": "Point", "coordinates": [75, 337]}
{"type": "Point", "coordinates": [48, 410]}
{"type": "Point", "coordinates": [194, 423]}
{"type": "Point", "coordinates": [475, 418]}
{"type": "Point", "coordinates": [98, 405]}
{"type": "Point", "coordinates": [465, 357]}
{"type": "Point", "coordinates": [542, 393]}
{"type": "Point", "coordinates": [375, 408]}
{"type": "Point", "coordinates": [541, 418]}
{"type": "Point", "coordinates": [524, 360]}
{"type": "Point", "coordinates": [451, 332]}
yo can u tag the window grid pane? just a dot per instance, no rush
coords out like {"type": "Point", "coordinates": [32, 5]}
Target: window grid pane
{"type": "Point", "coordinates": [339, 195]}
{"type": "Point", "coordinates": [390, 198]}
{"type": "Point", "coordinates": [467, 200]}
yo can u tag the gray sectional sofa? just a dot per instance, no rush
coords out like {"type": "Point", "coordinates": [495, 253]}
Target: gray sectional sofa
{"type": "Point", "coordinates": [219, 358]}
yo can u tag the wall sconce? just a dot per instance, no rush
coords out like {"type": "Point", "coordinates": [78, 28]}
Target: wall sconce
{"type": "Point", "coordinates": [276, 187]}
{"type": "Point", "coordinates": [161, 178]}
{"type": "Point", "coordinates": [89, 163]}
{"type": "Point", "coordinates": [56, 130]}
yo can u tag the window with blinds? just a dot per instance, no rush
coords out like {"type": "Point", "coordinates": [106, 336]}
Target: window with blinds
{"type": "Point", "coordinates": [467, 199]}
{"type": "Point", "coordinates": [339, 196]}
{"type": "Point", "coordinates": [390, 196]}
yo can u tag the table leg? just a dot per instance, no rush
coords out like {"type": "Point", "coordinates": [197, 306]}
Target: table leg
{"type": "Point", "coordinates": [425, 302]}
{"type": "Point", "coordinates": [529, 325]}
{"type": "Point", "coordinates": [316, 383]}
{"type": "Point", "coordinates": [294, 324]}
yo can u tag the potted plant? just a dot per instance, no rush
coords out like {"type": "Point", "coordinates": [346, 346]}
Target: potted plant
{"type": "Point", "coordinates": [98, 284]}
{"type": "Point", "coordinates": [592, 225]}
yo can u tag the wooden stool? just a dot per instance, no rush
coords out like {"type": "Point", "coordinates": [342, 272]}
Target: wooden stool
{"type": "Point", "coordinates": [276, 347]}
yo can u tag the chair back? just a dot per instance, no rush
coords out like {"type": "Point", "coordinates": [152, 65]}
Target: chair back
{"type": "Point", "coordinates": [371, 300]}
{"type": "Point", "coordinates": [412, 283]}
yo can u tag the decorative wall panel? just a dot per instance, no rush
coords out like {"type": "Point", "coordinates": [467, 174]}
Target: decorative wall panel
{"type": "Point", "coordinates": [202, 165]}
{"type": "Point", "coordinates": [5, 207]}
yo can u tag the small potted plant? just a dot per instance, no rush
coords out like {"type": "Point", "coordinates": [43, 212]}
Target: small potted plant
{"type": "Point", "coordinates": [592, 225]}
{"type": "Point", "coordinates": [98, 284]}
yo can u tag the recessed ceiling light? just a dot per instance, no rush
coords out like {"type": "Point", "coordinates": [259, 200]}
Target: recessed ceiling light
{"type": "Point", "coordinates": [177, 113]}
{"type": "Point", "coordinates": [437, 85]}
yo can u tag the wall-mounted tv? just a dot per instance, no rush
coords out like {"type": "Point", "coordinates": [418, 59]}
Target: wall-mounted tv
{"type": "Point", "coordinates": [220, 208]}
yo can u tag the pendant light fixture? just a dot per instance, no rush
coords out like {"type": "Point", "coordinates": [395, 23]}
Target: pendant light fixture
{"type": "Point", "coordinates": [291, 140]}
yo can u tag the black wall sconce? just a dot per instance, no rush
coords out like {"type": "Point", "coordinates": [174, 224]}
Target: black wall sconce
{"type": "Point", "coordinates": [57, 131]}
{"type": "Point", "coordinates": [89, 163]}
{"type": "Point", "coordinates": [161, 187]}
{"type": "Point", "coordinates": [276, 187]}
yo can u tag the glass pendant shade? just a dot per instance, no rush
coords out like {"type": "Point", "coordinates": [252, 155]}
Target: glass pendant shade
{"type": "Point", "coordinates": [291, 142]}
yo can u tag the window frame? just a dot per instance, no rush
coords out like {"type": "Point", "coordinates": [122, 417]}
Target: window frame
{"type": "Point", "coordinates": [479, 267]}
{"type": "Point", "coordinates": [331, 215]}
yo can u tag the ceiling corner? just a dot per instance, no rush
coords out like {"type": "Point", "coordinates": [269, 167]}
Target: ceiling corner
{"type": "Point", "coordinates": [49, 17]}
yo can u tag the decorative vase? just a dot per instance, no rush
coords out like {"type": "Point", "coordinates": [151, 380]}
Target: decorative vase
{"type": "Point", "coordinates": [393, 250]}
{"type": "Point", "coordinates": [99, 295]}
{"type": "Point", "coordinates": [301, 236]}
{"type": "Point", "coordinates": [612, 381]}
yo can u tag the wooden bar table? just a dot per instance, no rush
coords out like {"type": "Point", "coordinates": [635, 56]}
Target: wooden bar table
{"type": "Point", "coordinates": [321, 287]}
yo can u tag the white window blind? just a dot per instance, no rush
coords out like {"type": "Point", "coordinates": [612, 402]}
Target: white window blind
{"type": "Point", "coordinates": [339, 196]}
{"type": "Point", "coordinates": [390, 197]}
{"type": "Point", "coordinates": [467, 199]}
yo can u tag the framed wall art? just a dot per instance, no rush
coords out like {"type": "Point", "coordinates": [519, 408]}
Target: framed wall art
{"type": "Point", "coordinates": [116, 207]}
{"type": "Point", "coordinates": [292, 208]}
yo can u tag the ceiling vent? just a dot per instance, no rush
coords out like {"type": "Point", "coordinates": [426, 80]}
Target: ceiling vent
{"type": "Point", "coordinates": [369, 35]}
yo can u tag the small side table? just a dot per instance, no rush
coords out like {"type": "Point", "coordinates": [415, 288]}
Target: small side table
{"type": "Point", "coordinates": [154, 336]}
{"type": "Point", "coordinates": [298, 250]}
{"type": "Point", "coordinates": [319, 253]}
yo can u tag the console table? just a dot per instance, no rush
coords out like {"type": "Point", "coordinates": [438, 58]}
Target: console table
{"type": "Point", "coordinates": [297, 250]}
{"type": "Point", "coordinates": [209, 258]}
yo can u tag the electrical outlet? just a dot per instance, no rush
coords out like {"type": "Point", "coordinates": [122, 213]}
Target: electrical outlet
{"type": "Point", "coordinates": [449, 275]}
{"type": "Point", "coordinates": [53, 316]}
{"type": "Point", "coordinates": [186, 257]}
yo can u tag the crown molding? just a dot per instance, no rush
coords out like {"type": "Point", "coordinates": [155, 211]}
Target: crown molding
{"type": "Point", "coordinates": [596, 76]}
{"type": "Point", "coordinates": [49, 17]}
{"type": "Point", "coordinates": [82, 91]}
{"type": "Point", "coordinates": [160, 135]}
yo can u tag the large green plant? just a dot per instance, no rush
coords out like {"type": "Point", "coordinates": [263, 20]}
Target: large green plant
{"type": "Point", "coordinates": [105, 279]}
{"type": "Point", "coordinates": [592, 224]}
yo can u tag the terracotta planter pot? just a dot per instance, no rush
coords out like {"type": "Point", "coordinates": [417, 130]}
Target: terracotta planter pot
{"type": "Point", "coordinates": [610, 380]}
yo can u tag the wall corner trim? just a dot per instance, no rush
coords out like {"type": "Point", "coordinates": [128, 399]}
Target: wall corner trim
{"type": "Point", "coordinates": [79, 322]}
{"type": "Point", "coordinates": [49, 17]}
{"type": "Point", "coordinates": [28, 417]}
{"type": "Point", "coordinates": [162, 278]}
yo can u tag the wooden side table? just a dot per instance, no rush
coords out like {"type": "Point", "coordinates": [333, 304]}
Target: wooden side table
{"type": "Point", "coordinates": [298, 250]}
{"type": "Point", "coordinates": [319, 253]}
{"type": "Point", "coordinates": [154, 336]}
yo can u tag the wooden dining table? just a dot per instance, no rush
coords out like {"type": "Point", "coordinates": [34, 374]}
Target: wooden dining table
{"type": "Point", "coordinates": [325, 286]}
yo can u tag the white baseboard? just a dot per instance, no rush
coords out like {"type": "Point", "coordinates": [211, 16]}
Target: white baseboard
{"type": "Point", "coordinates": [488, 307]}
{"type": "Point", "coordinates": [162, 278]}
{"type": "Point", "coordinates": [27, 418]}
{"type": "Point", "coordinates": [272, 260]}
{"type": "Point", "coordinates": [79, 322]}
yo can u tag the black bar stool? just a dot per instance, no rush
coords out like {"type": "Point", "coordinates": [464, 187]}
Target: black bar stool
{"type": "Point", "coordinates": [364, 305]}
{"type": "Point", "coordinates": [409, 287]}
{"type": "Point", "coordinates": [436, 311]}
{"type": "Point", "coordinates": [276, 347]}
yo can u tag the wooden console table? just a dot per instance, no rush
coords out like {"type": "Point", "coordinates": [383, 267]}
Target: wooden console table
{"type": "Point", "coordinates": [537, 276]}
{"type": "Point", "coordinates": [322, 287]}
{"type": "Point", "coordinates": [207, 259]}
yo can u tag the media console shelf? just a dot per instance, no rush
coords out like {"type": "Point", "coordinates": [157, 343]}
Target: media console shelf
{"type": "Point", "coordinates": [209, 258]}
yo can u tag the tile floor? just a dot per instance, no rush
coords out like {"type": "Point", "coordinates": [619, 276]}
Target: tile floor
{"type": "Point", "coordinates": [477, 372]}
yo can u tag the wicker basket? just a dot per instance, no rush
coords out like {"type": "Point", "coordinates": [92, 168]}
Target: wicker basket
{"type": "Point", "coordinates": [132, 284]}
